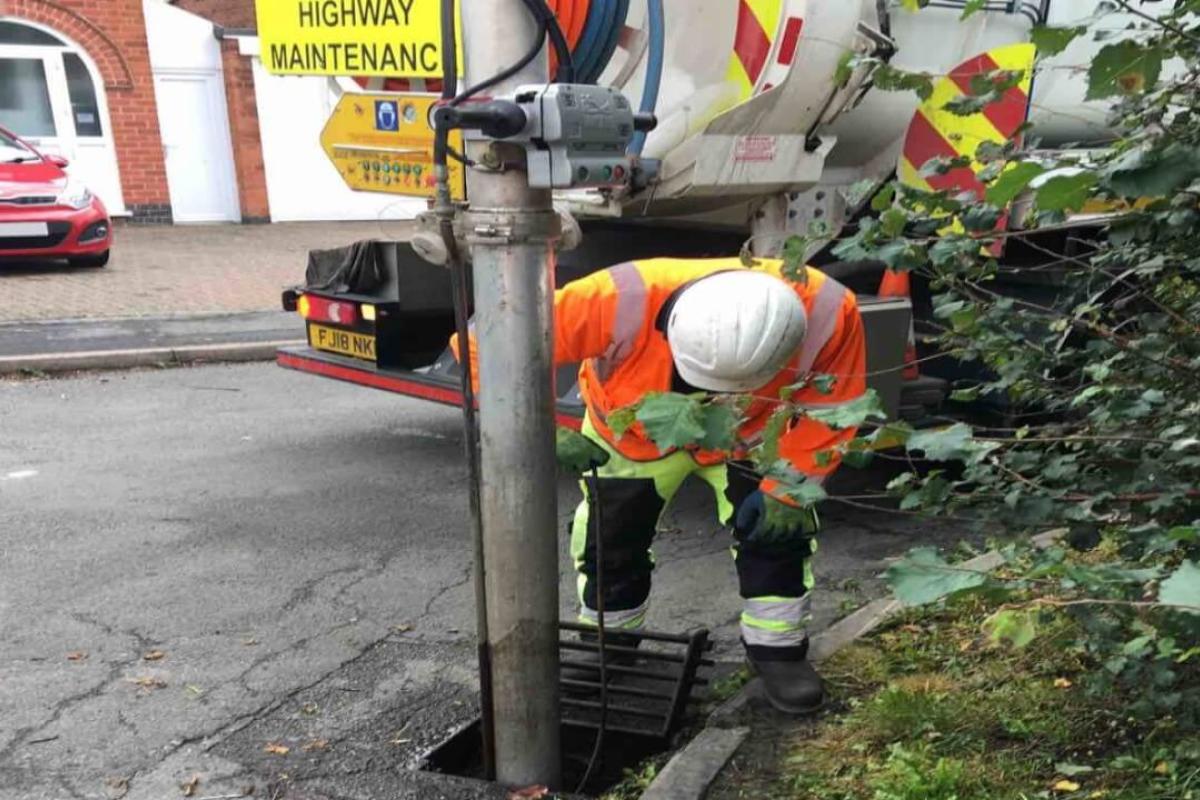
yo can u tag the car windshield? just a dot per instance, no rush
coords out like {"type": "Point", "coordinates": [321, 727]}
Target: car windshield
{"type": "Point", "coordinates": [13, 150]}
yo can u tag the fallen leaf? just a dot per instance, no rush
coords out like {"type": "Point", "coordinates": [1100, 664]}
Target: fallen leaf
{"type": "Point", "coordinates": [154, 655]}
{"type": "Point", "coordinates": [1062, 683]}
{"type": "Point", "coordinates": [912, 628]}
{"type": "Point", "coordinates": [189, 786]}
{"type": "Point", "coordinates": [399, 741]}
{"type": "Point", "coordinates": [248, 790]}
{"type": "Point", "coordinates": [119, 787]}
{"type": "Point", "coordinates": [193, 689]}
{"type": "Point", "coordinates": [148, 682]}
{"type": "Point", "coordinates": [249, 641]}
{"type": "Point", "coordinates": [276, 749]}
{"type": "Point", "coordinates": [401, 628]}
{"type": "Point", "coordinates": [315, 744]}
{"type": "Point", "coordinates": [1066, 786]}
{"type": "Point", "coordinates": [77, 655]}
{"type": "Point", "coordinates": [1162, 768]}
{"type": "Point", "coordinates": [965, 646]}
{"type": "Point", "coordinates": [528, 793]}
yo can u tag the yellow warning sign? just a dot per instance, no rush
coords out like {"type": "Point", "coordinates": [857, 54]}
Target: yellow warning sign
{"type": "Point", "coordinates": [387, 38]}
{"type": "Point", "coordinates": [384, 143]}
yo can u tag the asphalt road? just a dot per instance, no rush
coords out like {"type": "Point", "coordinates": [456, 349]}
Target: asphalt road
{"type": "Point", "coordinates": [197, 564]}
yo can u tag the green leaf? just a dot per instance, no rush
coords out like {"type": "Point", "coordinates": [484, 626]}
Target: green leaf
{"type": "Point", "coordinates": [720, 422]}
{"type": "Point", "coordinates": [882, 201]}
{"type": "Point", "coordinates": [1149, 172]}
{"type": "Point", "coordinates": [851, 414]}
{"type": "Point", "coordinates": [981, 218]}
{"type": "Point", "coordinates": [576, 452]}
{"type": "Point", "coordinates": [794, 252]}
{"type": "Point", "coordinates": [622, 420]}
{"type": "Point", "coordinates": [942, 444]}
{"type": "Point", "coordinates": [1183, 587]}
{"type": "Point", "coordinates": [889, 79]}
{"type": "Point", "coordinates": [1066, 192]}
{"type": "Point", "coordinates": [1124, 68]}
{"type": "Point", "coordinates": [804, 494]}
{"type": "Point", "coordinates": [971, 8]}
{"type": "Point", "coordinates": [672, 420]}
{"type": "Point", "coordinates": [893, 434]}
{"type": "Point", "coordinates": [1051, 41]}
{"type": "Point", "coordinates": [1018, 627]}
{"type": "Point", "coordinates": [1071, 770]}
{"type": "Point", "coordinates": [923, 576]}
{"type": "Point", "coordinates": [1012, 182]}
{"type": "Point", "coordinates": [902, 256]}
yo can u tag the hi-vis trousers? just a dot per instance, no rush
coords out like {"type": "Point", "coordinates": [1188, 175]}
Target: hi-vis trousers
{"type": "Point", "coordinates": [775, 574]}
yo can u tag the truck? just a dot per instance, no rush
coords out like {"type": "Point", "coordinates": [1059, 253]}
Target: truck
{"type": "Point", "coordinates": [768, 124]}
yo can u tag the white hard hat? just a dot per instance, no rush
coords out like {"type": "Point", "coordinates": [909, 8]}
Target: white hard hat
{"type": "Point", "coordinates": [733, 331]}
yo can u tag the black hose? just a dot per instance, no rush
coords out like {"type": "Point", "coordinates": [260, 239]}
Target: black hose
{"type": "Point", "coordinates": [593, 499]}
{"type": "Point", "coordinates": [566, 62]}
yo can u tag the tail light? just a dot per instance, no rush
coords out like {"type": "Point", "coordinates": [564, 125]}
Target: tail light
{"type": "Point", "coordinates": [318, 309]}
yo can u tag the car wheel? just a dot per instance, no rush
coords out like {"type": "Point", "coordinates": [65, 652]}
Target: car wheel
{"type": "Point", "coordinates": [98, 260]}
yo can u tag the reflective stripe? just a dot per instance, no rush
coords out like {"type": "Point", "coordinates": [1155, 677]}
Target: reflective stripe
{"type": "Point", "coordinates": [822, 322]}
{"type": "Point", "coordinates": [628, 320]}
{"type": "Point", "coordinates": [627, 619]}
{"type": "Point", "coordinates": [776, 621]}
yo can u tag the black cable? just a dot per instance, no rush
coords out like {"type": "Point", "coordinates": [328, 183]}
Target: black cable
{"type": "Point", "coordinates": [507, 73]}
{"type": "Point", "coordinates": [566, 62]}
{"type": "Point", "coordinates": [449, 51]}
{"type": "Point", "coordinates": [593, 498]}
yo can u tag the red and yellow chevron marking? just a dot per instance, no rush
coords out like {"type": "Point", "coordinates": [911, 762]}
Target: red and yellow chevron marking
{"type": "Point", "coordinates": [757, 24]}
{"type": "Point", "coordinates": [935, 132]}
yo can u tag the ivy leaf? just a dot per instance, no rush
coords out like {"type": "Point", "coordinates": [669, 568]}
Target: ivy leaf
{"type": "Point", "coordinates": [851, 414]}
{"type": "Point", "coordinates": [1124, 68]}
{"type": "Point", "coordinates": [1012, 182]}
{"type": "Point", "coordinates": [721, 422]}
{"type": "Point", "coordinates": [576, 452]}
{"type": "Point", "coordinates": [671, 420]}
{"type": "Point", "coordinates": [1015, 626]}
{"type": "Point", "coordinates": [923, 576]}
{"type": "Point", "coordinates": [794, 252]}
{"type": "Point", "coordinates": [1183, 587]}
{"type": "Point", "coordinates": [1147, 172]}
{"type": "Point", "coordinates": [942, 444]}
{"type": "Point", "coordinates": [1051, 41]}
{"type": "Point", "coordinates": [1066, 192]}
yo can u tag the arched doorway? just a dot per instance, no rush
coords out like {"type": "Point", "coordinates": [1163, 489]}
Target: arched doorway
{"type": "Point", "coordinates": [51, 94]}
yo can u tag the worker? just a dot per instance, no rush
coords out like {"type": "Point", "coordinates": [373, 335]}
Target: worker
{"type": "Point", "coordinates": [718, 327]}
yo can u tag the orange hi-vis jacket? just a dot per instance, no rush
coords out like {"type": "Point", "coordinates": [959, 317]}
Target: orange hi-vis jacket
{"type": "Point", "coordinates": [608, 322]}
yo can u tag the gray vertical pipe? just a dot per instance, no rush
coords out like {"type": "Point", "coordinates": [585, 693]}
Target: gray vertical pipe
{"type": "Point", "coordinates": [510, 229]}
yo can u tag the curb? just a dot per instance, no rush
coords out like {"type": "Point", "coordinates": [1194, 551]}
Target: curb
{"type": "Point", "coordinates": [850, 628]}
{"type": "Point", "coordinates": [144, 357]}
{"type": "Point", "coordinates": [690, 772]}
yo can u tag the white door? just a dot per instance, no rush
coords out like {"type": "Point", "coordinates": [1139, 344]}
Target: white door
{"type": "Point", "coordinates": [195, 134]}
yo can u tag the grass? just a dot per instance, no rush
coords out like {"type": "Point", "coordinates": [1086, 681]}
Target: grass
{"type": "Point", "coordinates": [929, 709]}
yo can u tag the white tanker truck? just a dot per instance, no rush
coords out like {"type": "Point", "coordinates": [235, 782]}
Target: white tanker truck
{"type": "Point", "coordinates": [766, 119]}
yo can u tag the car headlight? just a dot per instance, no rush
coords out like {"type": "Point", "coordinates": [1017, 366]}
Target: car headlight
{"type": "Point", "coordinates": [75, 195]}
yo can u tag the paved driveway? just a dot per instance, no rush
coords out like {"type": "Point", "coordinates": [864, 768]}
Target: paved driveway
{"type": "Point", "coordinates": [184, 269]}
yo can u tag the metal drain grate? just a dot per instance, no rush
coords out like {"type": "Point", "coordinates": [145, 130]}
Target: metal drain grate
{"type": "Point", "coordinates": [646, 698]}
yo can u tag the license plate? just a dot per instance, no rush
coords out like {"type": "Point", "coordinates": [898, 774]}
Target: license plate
{"type": "Point", "coordinates": [19, 230]}
{"type": "Point", "coordinates": [346, 343]}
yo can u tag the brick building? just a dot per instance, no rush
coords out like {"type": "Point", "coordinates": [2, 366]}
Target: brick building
{"type": "Point", "coordinates": [154, 113]}
{"type": "Point", "coordinates": [163, 109]}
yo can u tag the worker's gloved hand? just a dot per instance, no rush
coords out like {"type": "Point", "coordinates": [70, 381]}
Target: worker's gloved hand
{"type": "Point", "coordinates": [765, 520]}
{"type": "Point", "coordinates": [577, 453]}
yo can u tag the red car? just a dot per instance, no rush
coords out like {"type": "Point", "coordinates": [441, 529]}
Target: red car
{"type": "Point", "coordinates": [44, 213]}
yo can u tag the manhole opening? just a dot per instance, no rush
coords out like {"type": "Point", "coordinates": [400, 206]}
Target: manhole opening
{"type": "Point", "coordinates": [649, 688]}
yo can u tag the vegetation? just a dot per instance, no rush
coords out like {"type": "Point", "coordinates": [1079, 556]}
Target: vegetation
{"type": "Point", "coordinates": [1093, 395]}
{"type": "Point", "coordinates": [935, 710]}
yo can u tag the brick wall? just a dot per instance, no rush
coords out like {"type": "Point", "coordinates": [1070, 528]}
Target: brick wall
{"type": "Point", "coordinates": [226, 13]}
{"type": "Point", "coordinates": [113, 32]}
{"type": "Point", "coordinates": [244, 131]}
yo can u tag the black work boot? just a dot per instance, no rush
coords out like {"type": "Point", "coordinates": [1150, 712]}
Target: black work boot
{"type": "Point", "coordinates": [587, 662]}
{"type": "Point", "coordinates": [790, 683]}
